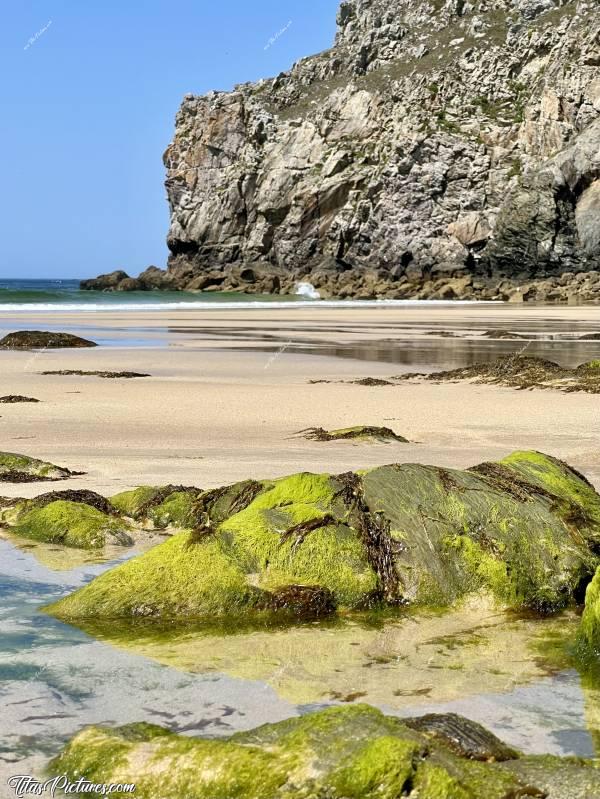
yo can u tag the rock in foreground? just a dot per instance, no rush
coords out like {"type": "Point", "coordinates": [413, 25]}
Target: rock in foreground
{"type": "Point", "coordinates": [340, 753]}
{"type": "Point", "coordinates": [23, 469]}
{"type": "Point", "coordinates": [525, 530]}
{"type": "Point", "coordinates": [41, 340]}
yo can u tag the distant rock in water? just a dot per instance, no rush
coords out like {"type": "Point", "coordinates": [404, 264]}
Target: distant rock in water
{"type": "Point", "coordinates": [439, 150]}
{"type": "Point", "coordinates": [39, 339]}
{"type": "Point", "coordinates": [525, 530]}
{"type": "Point", "coordinates": [16, 468]}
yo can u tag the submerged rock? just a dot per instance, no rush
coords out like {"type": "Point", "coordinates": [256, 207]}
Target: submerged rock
{"type": "Point", "coordinates": [16, 468]}
{"type": "Point", "coordinates": [360, 433]}
{"type": "Point", "coordinates": [525, 530]}
{"type": "Point", "coordinates": [39, 339]}
{"type": "Point", "coordinates": [342, 752]}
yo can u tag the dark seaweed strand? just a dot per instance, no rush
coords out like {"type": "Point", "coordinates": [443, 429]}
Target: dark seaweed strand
{"type": "Point", "coordinates": [299, 531]}
{"type": "Point", "coordinates": [374, 530]}
{"type": "Point", "coordinates": [83, 496]}
{"type": "Point", "coordinates": [205, 524]}
{"type": "Point", "coordinates": [501, 478]}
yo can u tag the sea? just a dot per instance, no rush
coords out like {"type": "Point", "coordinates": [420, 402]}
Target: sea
{"type": "Point", "coordinates": [65, 295]}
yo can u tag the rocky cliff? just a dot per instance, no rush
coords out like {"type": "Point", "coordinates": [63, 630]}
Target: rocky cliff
{"type": "Point", "coordinates": [439, 149]}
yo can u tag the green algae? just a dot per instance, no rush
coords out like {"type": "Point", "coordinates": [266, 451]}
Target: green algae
{"type": "Point", "coordinates": [177, 510]}
{"type": "Point", "coordinates": [130, 502]}
{"type": "Point", "coordinates": [23, 469]}
{"type": "Point", "coordinates": [172, 580]}
{"type": "Point", "coordinates": [340, 752]}
{"type": "Point", "coordinates": [72, 524]}
{"type": "Point", "coordinates": [590, 621]}
{"type": "Point", "coordinates": [525, 530]}
{"type": "Point", "coordinates": [267, 539]}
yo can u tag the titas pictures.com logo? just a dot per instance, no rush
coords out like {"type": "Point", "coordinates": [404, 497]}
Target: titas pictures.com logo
{"type": "Point", "coordinates": [25, 785]}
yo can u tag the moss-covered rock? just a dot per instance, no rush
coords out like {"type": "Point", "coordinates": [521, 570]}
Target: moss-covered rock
{"type": "Point", "coordinates": [73, 524]}
{"type": "Point", "coordinates": [525, 530]}
{"type": "Point", "coordinates": [343, 753]}
{"type": "Point", "coordinates": [159, 506]}
{"type": "Point", "coordinates": [590, 621]}
{"type": "Point", "coordinates": [15, 468]}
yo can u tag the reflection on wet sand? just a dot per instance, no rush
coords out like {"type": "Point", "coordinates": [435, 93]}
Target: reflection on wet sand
{"type": "Point", "coordinates": [414, 660]}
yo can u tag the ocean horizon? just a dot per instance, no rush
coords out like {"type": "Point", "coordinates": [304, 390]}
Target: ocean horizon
{"type": "Point", "coordinates": [57, 294]}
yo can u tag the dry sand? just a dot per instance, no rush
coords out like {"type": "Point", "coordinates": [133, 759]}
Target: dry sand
{"type": "Point", "coordinates": [218, 408]}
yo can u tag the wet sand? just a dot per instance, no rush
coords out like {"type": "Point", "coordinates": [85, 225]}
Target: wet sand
{"type": "Point", "coordinates": [230, 388]}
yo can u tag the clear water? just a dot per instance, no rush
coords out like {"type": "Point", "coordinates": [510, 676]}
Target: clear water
{"type": "Point", "coordinates": [507, 672]}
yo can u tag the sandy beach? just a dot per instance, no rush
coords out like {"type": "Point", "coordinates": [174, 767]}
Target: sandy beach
{"type": "Point", "coordinates": [229, 389]}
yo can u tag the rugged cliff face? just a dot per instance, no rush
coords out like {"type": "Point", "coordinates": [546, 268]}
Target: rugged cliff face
{"type": "Point", "coordinates": [439, 149]}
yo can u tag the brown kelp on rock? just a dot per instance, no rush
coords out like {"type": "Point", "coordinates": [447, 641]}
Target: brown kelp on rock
{"type": "Point", "coordinates": [43, 340]}
{"type": "Point", "coordinates": [525, 530]}
{"type": "Point", "coordinates": [352, 752]}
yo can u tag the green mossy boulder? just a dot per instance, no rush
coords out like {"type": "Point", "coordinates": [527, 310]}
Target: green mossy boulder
{"type": "Point", "coordinates": [350, 752]}
{"type": "Point", "coordinates": [159, 506]}
{"type": "Point", "coordinates": [16, 468]}
{"type": "Point", "coordinates": [590, 621]}
{"type": "Point", "coordinates": [73, 524]}
{"type": "Point", "coordinates": [525, 530]}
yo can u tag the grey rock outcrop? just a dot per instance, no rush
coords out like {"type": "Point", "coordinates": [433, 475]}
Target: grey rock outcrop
{"type": "Point", "coordinates": [439, 149]}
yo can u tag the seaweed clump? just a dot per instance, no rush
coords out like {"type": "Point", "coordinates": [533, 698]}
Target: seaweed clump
{"type": "Point", "coordinates": [360, 433]}
{"type": "Point", "coordinates": [521, 372]}
{"type": "Point", "coordinates": [341, 752]}
{"type": "Point", "coordinates": [14, 398]}
{"type": "Point", "coordinates": [107, 375]}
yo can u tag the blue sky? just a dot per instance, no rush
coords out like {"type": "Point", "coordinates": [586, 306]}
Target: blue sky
{"type": "Point", "coordinates": [89, 93]}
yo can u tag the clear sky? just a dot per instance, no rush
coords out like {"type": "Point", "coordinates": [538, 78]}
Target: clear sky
{"type": "Point", "coordinates": [89, 92]}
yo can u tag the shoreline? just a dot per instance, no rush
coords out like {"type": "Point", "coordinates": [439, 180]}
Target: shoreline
{"type": "Point", "coordinates": [229, 390]}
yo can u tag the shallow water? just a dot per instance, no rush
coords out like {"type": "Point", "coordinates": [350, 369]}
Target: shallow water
{"type": "Point", "coordinates": [513, 674]}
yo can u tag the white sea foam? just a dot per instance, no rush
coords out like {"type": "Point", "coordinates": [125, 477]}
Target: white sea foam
{"type": "Point", "coordinates": [307, 290]}
{"type": "Point", "coordinates": [53, 307]}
